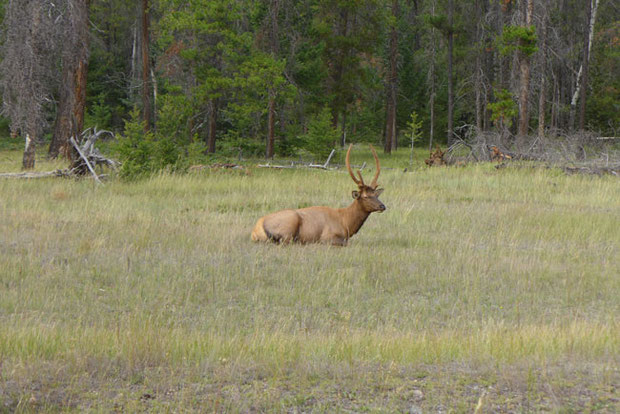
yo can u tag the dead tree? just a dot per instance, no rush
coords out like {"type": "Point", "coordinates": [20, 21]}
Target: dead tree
{"type": "Point", "coordinates": [72, 89]}
{"type": "Point", "coordinates": [27, 68]}
{"type": "Point", "coordinates": [146, 64]}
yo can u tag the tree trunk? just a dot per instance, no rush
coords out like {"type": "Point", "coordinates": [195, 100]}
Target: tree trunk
{"type": "Point", "coordinates": [592, 9]}
{"type": "Point", "coordinates": [392, 85]}
{"type": "Point", "coordinates": [134, 55]}
{"type": "Point", "coordinates": [146, 95]}
{"type": "Point", "coordinates": [271, 125]}
{"type": "Point", "coordinates": [72, 98]}
{"type": "Point", "coordinates": [343, 134]}
{"type": "Point", "coordinates": [478, 68]}
{"type": "Point", "coordinates": [29, 153]}
{"type": "Point", "coordinates": [543, 65]}
{"type": "Point", "coordinates": [212, 127]}
{"type": "Point", "coordinates": [63, 125]}
{"type": "Point", "coordinates": [274, 46]}
{"type": "Point", "coordinates": [524, 68]}
{"type": "Point", "coordinates": [431, 76]}
{"type": "Point", "coordinates": [586, 60]}
{"type": "Point", "coordinates": [555, 103]}
{"type": "Point", "coordinates": [450, 76]}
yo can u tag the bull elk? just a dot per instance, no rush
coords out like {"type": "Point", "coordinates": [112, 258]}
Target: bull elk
{"type": "Point", "coordinates": [324, 224]}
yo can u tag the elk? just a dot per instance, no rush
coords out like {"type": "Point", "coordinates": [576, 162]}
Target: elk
{"type": "Point", "coordinates": [324, 224]}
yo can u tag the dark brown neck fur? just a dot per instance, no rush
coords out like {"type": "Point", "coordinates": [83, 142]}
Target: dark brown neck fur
{"type": "Point", "coordinates": [354, 217]}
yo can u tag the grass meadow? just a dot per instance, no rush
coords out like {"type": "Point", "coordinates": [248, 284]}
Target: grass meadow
{"type": "Point", "coordinates": [478, 290]}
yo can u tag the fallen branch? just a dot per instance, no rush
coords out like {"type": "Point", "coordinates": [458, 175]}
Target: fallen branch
{"type": "Point", "coordinates": [324, 166]}
{"type": "Point", "coordinates": [90, 167]}
{"type": "Point", "coordinates": [275, 166]}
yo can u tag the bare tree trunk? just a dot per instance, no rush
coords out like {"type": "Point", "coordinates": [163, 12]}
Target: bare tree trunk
{"type": "Point", "coordinates": [432, 120]}
{"type": "Point", "coordinates": [63, 125]}
{"type": "Point", "coordinates": [392, 81]}
{"type": "Point", "coordinates": [592, 9]}
{"type": "Point", "coordinates": [72, 99]}
{"type": "Point", "coordinates": [134, 53]}
{"type": "Point", "coordinates": [478, 68]}
{"type": "Point", "coordinates": [79, 108]}
{"type": "Point", "coordinates": [275, 46]}
{"type": "Point", "coordinates": [146, 95]}
{"type": "Point", "coordinates": [543, 77]}
{"type": "Point", "coordinates": [586, 60]}
{"type": "Point", "coordinates": [524, 66]}
{"type": "Point", "coordinates": [29, 153]}
{"type": "Point", "coordinates": [432, 84]}
{"type": "Point", "coordinates": [555, 103]}
{"type": "Point", "coordinates": [450, 75]}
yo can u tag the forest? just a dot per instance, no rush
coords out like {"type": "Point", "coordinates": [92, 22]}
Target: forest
{"type": "Point", "coordinates": [171, 78]}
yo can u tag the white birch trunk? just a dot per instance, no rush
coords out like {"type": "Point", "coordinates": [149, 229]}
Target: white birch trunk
{"type": "Point", "coordinates": [573, 102]}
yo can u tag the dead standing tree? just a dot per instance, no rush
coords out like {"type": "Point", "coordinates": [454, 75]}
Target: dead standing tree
{"type": "Point", "coordinates": [28, 55]}
{"type": "Point", "coordinates": [72, 89]}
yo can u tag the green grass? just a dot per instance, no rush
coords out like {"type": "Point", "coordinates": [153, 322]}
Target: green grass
{"type": "Point", "coordinates": [476, 285]}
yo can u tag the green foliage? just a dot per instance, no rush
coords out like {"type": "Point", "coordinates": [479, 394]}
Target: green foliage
{"type": "Point", "coordinates": [173, 115]}
{"type": "Point", "coordinates": [321, 135]}
{"type": "Point", "coordinates": [504, 109]}
{"type": "Point", "coordinates": [603, 105]}
{"type": "Point", "coordinates": [439, 22]}
{"type": "Point", "coordinates": [99, 114]}
{"type": "Point", "coordinates": [518, 38]}
{"type": "Point", "coordinates": [136, 149]}
{"type": "Point", "coordinates": [221, 56]}
{"type": "Point", "coordinates": [5, 124]}
{"type": "Point", "coordinates": [414, 127]}
{"type": "Point", "coordinates": [196, 151]}
{"type": "Point", "coordinates": [233, 144]}
{"type": "Point", "coordinates": [260, 77]}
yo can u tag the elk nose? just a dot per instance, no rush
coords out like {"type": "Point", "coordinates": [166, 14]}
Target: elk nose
{"type": "Point", "coordinates": [381, 207]}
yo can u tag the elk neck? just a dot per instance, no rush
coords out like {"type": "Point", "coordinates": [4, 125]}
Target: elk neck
{"type": "Point", "coordinates": [353, 217]}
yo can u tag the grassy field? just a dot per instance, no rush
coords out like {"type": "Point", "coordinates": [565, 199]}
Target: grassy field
{"type": "Point", "coordinates": [477, 290]}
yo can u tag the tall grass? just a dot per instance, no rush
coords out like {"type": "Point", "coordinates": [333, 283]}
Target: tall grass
{"type": "Point", "coordinates": [467, 265]}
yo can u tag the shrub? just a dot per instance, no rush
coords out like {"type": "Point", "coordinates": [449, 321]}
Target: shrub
{"type": "Point", "coordinates": [321, 136]}
{"type": "Point", "coordinates": [135, 148]}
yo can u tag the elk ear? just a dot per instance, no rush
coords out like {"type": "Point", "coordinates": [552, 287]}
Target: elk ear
{"type": "Point", "coordinates": [378, 192]}
{"type": "Point", "coordinates": [356, 194]}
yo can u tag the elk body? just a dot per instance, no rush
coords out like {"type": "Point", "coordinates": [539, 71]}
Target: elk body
{"type": "Point", "coordinates": [323, 224]}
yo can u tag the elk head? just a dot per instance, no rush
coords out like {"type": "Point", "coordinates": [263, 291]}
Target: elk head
{"type": "Point", "coordinates": [367, 195]}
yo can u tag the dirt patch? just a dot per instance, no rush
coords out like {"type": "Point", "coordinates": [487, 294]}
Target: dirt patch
{"type": "Point", "coordinates": [317, 387]}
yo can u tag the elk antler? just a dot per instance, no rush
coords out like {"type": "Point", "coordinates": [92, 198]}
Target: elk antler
{"type": "Point", "coordinates": [359, 182]}
{"type": "Point", "coordinates": [373, 184]}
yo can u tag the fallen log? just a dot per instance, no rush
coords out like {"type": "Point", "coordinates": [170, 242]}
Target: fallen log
{"type": "Point", "coordinates": [43, 174]}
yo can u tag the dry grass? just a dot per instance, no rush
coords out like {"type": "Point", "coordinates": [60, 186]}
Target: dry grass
{"type": "Point", "coordinates": [150, 295]}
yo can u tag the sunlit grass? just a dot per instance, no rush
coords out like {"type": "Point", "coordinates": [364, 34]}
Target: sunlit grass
{"type": "Point", "coordinates": [467, 265]}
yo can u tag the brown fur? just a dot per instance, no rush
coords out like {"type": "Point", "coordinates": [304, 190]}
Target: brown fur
{"type": "Point", "coordinates": [436, 158]}
{"type": "Point", "coordinates": [497, 155]}
{"type": "Point", "coordinates": [322, 224]}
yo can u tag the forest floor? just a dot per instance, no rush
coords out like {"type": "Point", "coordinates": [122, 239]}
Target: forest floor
{"type": "Point", "coordinates": [478, 290]}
